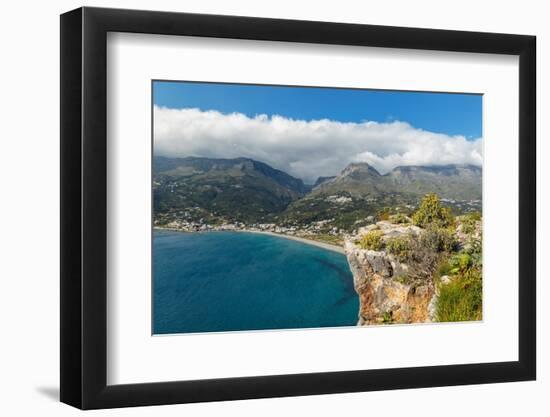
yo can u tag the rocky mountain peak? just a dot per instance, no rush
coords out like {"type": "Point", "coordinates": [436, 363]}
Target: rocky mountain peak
{"type": "Point", "coordinates": [358, 170]}
{"type": "Point", "coordinates": [321, 180]}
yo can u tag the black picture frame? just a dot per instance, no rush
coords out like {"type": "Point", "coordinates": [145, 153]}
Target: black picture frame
{"type": "Point", "coordinates": [84, 207]}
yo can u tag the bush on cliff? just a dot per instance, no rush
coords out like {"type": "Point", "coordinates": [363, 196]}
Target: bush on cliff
{"type": "Point", "coordinates": [438, 239]}
{"type": "Point", "coordinates": [401, 247]}
{"type": "Point", "coordinates": [426, 248]}
{"type": "Point", "coordinates": [470, 222]}
{"type": "Point", "coordinates": [474, 248]}
{"type": "Point", "coordinates": [384, 214]}
{"type": "Point", "coordinates": [399, 218]}
{"type": "Point", "coordinates": [431, 213]}
{"type": "Point", "coordinates": [372, 240]}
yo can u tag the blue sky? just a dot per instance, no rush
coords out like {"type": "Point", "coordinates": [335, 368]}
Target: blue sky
{"type": "Point", "coordinates": [450, 114]}
{"type": "Point", "coordinates": [312, 132]}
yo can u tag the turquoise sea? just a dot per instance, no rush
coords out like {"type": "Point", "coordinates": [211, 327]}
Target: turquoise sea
{"type": "Point", "coordinates": [228, 281]}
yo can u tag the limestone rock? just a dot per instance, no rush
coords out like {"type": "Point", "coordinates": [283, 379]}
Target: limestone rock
{"type": "Point", "coordinates": [386, 294]}
{"type": "Point", "coordinates": [445, 279]}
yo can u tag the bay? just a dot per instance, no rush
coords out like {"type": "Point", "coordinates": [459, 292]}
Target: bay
{"type": "Point", "coordinates": [234, 281]}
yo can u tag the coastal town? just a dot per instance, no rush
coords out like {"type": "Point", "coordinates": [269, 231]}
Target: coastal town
{"type": "Point", "coordinates": [321, 233]}
{"type": "Point", "coordinates": [317, 231]}
{"type": "Point", "coordinates": [196, 219]}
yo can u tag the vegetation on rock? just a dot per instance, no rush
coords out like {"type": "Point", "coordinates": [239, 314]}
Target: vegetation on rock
{"type": "Point", "coordinates": [432, 213]}
{"type": "Point", "coordinates": [470, 221]}
{"type": "Point", "coordinates": [438, 239]}
{"type": "Point", "coordinates": [401, 247]}
{"type": "Point", "coordinates": [399, 218]}
{"type": "Point", "coordinates": [440, 251]}
{"type": "Point", "coordinates": [372, 240]}
{"type": "Point", "coordinates": [384, 214]}
{"type": "Point", "coordinates": [461, 298]}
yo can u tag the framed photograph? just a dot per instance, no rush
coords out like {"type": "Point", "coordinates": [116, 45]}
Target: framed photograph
{"type": "Point", "coordinates": [258, 208]}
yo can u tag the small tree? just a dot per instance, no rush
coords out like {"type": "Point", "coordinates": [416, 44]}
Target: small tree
{"type": "Point", "coordinates": [371, 241]}
{"type": "Point", "coordinates": [431, 213]}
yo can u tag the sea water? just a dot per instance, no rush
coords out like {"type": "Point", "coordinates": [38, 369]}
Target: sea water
{"type": "Point", "coordinates": [231, 281]}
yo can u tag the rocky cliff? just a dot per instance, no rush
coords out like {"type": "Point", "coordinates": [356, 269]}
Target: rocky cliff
{"type": "Point", "coordinates": [389, 290]}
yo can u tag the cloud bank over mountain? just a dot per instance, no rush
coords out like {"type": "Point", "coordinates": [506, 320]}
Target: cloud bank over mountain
{"type": "Point", "coordinates": [306, 149]}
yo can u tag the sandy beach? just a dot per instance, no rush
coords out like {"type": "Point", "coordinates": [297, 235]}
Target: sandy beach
{"type": "Point", "coordinates": [323, 245]}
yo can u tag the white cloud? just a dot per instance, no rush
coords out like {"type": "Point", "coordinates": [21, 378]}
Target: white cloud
{"type": "Point", "coordinates": [306, 149]}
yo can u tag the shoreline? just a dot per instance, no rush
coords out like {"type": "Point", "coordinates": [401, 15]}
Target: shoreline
{"type": "Point", "coordinates": [323, 245]}
{"type": "Point", "coordinates": [327, 246]}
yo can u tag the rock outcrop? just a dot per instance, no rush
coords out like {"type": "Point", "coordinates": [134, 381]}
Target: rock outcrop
{"type": "Point", "coordinates": [387, 293]}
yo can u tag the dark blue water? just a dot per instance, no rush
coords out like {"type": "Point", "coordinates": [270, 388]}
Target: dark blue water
{"type": "Point", "coordinates": [227, 281]}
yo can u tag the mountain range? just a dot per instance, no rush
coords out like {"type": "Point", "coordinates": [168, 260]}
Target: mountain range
{"type": "Point", "coordinates": [247, 190]}
{"type": "Point", "coordinates": [448, 181]}
{"type": "Point", "coordinates": [239, 189]}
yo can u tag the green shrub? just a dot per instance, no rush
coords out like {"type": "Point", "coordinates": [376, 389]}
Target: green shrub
{"type": "Point", "coordinates": [468, 226]}
{"type": "Point", "coordinates": [474, 248]}
{"type": "Point", "coordinates": [461, 299]}
{"type": "Point", "coordinates": [387, 317]}
{"type": "Point", "coordinates": [460, 263]}
{"type": "Point", "coordinates": [401, 247]}
{"type": "Point", "coordinates": [469, 222]}
{"type": "Point", "coordinates": [438, 239]}
{"type": "Point", "coordinates": [444, 268]}
{"type": "Point", "coordinates": [476, 216]}
{"type": "Point", "coordinates": [372, 240]}
{"type": "Point", "coordinates": [384, 214]}
{"type": "Point", "coordinates": [431, 213]}
{"type": "Point", "coordinates": [399, 218]}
